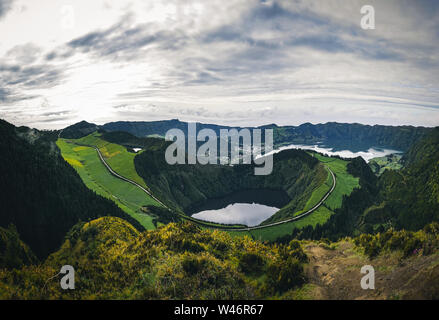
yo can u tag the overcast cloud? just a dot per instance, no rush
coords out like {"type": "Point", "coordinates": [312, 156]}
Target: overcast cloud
{"type": "Point", "coordinates": [240, 62]}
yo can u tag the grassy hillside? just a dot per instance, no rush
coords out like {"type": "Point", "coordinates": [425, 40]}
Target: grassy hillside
{"type": "Point", "coordinates": [96, 177]}
{"type": "Point", "coordinates": [344, 220]}
{"type": "Point", "coordinates": [117, 156]}
{"type": "Point", "coordinates": [40, 193]}
{"type": "Point", "coordinates": [346, 182]}
{"type": "Point", "coordinates": [113, 261]}
{"type": "Point", "coordinates": [409, 198]}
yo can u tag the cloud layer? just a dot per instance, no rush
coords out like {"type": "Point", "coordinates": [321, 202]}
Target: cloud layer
{"type": "Point", "coordinates": [244, 62]}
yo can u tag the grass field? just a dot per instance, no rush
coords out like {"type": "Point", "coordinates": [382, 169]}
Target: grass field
{"type": "Point", "coordinates": [117, 156]}
{"type": "Point", "coordinates": [345, 182]}
{"type": "Point", "coordinates": [317, 194]}
{"type": "Point", "coordinates": [345, 185]}
{"type": "Point", "coordinates": [97, 178]}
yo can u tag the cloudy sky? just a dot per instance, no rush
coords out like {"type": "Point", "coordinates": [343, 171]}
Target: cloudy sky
{"type": "Point", "coordinates": [241, 62]}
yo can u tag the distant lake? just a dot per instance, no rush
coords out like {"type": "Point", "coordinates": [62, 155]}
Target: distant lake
{"type": "Point", "coordinates": [366, 155]}
{"type": "Point", "coordinates": [248, 207]}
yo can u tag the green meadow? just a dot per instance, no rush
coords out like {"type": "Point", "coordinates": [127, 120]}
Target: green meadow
{"type": "Point", "coordinates": [317, 195]}
{"type": "Point", "coordinates": [96, 177]}
{"type": "Point", "coordinates": [117, 156]}
{"type": "Point", "coordinates": [346, 183]}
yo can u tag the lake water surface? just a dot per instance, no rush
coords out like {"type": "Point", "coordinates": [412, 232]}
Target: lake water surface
{"type": "Point", "coordinates": [250, 214]}
{"type": "Point", "coordinates": [248, 207]}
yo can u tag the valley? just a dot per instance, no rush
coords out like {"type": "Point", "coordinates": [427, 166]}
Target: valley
{"type": "Point", "coordinates": [79, 153]}
{"type": "Point", "coordinates": [328, 216]}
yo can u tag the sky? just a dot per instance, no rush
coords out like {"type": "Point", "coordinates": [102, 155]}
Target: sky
{"type": "Point", "coordinates": [235, 62]}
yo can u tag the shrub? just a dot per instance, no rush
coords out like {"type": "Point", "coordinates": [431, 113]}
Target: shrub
{"type": "Point", "coordinates": [425, 241]}
{"type": "Point", "coordinates": [297, 252]}
{"type": "Point", "coordinates": [251, 263]}
{"type": "Point", "coordinates": [192, 265]}
{"type": "Point", "coordinates": [285, 274]}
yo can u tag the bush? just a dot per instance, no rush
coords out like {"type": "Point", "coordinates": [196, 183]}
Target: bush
{"type": "Point", "coordinates": [192, 265]}
{"type": "Point", "coordinates": [297, 252]}
{"type": "Point", "coordinates": [425, 241]}
{"type": "Point", "coordinates": [432, 228]}
{"type": "Point", "coordinates": [285, 275]}
{"type": "Point", "coordinates": [251, 263]}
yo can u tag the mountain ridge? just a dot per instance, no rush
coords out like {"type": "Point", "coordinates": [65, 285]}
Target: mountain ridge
{"type": "Point", "coordinates": [354, 136]}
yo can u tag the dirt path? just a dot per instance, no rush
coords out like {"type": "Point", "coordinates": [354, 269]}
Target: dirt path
{"type": "Point", "coordinates": [335, 274]}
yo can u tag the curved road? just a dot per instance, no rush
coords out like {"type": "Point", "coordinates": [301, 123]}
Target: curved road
{"type": "Point", "coordinates": [300, 216]}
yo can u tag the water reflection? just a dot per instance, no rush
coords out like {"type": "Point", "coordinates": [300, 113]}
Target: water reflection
{"type": "Point", "coordinates": [249, 207]}
{"type": "Point", "coordinates": [250, 214]}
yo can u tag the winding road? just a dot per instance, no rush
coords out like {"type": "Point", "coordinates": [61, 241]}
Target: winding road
{"type": "Point", "coordinates": [203, 223]}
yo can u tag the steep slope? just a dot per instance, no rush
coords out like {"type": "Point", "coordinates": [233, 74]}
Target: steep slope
{"type": "Point", "coordinates": [14, 253]}
{"type": "Point", "coordinates": [410, 197]}
{"type": "Point", "coordinates": [41, 194]}
{"type": "Point", "coordinates": [96, 176]}
{"type": "Point", "coordinates": [347, 184]}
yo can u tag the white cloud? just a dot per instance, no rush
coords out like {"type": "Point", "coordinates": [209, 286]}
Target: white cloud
{"type": "Point", "coordinates": [238, 61]}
